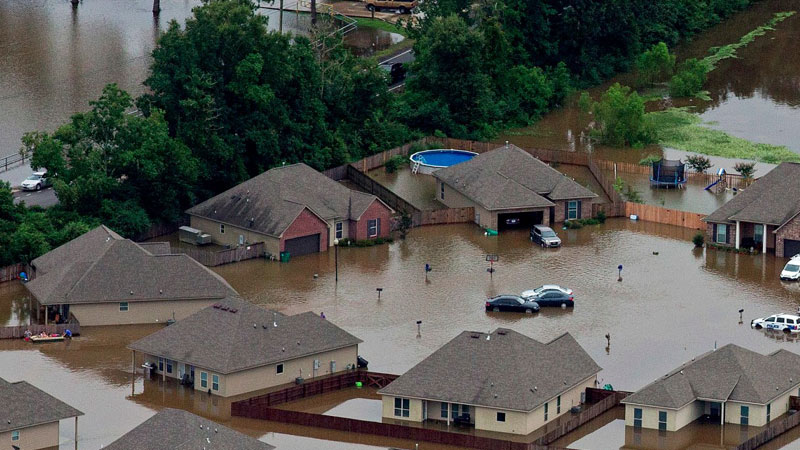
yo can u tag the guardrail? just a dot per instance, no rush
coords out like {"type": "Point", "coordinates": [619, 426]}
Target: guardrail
{"type": "Point", "coordinates": [10, 160]}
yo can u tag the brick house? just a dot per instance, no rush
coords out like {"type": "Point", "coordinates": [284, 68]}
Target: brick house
{"type": "Point", "coordinates": [763, 216]}
{"type": "Point", "coordinates": [509, 183]}
{"type": "Point", "coordinates": [291, 209]}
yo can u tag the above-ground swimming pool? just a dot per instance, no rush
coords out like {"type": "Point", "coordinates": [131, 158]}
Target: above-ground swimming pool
{"type": "Point", "coordinates": [433, 160]}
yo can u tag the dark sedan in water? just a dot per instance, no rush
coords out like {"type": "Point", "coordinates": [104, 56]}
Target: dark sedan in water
{"type": "Point", "coordinates": [511, 303]}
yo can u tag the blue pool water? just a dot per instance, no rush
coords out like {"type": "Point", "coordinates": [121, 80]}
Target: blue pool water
{"type": "Point", "coordinates": [442, 158]}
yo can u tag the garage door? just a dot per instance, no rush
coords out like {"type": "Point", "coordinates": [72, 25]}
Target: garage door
{"type": "Point", "coordinates": [302, 245]}
{"type": "Point", "coordinates": [791, 247]}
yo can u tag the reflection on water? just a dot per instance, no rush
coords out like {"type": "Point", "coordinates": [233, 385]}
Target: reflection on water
{"type": "Point", "coordinates": [679, 303]}
{"type": "Point", "coordinates": [755, 97]}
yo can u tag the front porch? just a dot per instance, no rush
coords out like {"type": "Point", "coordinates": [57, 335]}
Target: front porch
{"type": "Point", "coordinates": [743, 235]}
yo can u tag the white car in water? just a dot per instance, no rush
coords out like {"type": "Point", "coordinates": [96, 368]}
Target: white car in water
{"type": "Point", "coordinates": [778, 322]}
{"type": "Point", "coordinates": [791, 271]}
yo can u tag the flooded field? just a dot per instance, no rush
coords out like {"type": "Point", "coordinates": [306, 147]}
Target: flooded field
{"type": "Point", "coordinates": [679, 303]}
{"type": "Point", "coordinates": [755, 97]}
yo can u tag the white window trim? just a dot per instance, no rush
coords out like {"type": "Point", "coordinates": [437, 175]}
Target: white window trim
{"type": "Point", "coordinates": [204, 380]}
{"type": "Point", "coordinates": [279, 369]}
{"type": "Point", "coordinates": [215, 377]}
{"type": "Point", "coordinates": [370, 234]}
{"type": "Point", "coordinates": [570, 209]}
{"type": "Point", "coordinates": [724, 235]}
{"type": "Point", "coordinates": [222, 228]}
{"type": "Point", "coordinates": [127, 306]}
{"type": "Point", "coordinates": [497, 416]}
{"type": "Point", "coordinates": [338, 230]}
{"type": "Point", "coordinates": [15, 435]}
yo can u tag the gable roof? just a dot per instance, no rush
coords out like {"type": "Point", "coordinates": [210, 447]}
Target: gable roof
{"type": "Point", "coordinates": [773, 199]}
{"type": "Point", "coordinates": [100, 266]}
{"type": "Point", "coordinates": [509, 177]}
{"type": "Point", "coordinates": [181, 430]}
{"type": "Point", "coordinates": [270, 202]}
{"type": "Point", "coordinates": [729, 373]}
{"type": "Point", "coordinates": [504, 369]}
{"type": "Point", "coordinates": [25, 405]}
{"type": "Point", "coordinates": [223, 338]}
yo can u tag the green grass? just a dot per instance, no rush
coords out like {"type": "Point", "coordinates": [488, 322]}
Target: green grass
{"type": "Point", "coordinates": [680, 129]}
{"type": "Point", "coordinates": [729, 51]}
{"type": "Point", "coordinates": [380, 25]}
{"type": "Point", "coordinates": [405, 44]}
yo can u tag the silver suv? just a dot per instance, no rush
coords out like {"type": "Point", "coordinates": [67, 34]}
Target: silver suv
{"type": "Point", "coordinates": [545, 236]}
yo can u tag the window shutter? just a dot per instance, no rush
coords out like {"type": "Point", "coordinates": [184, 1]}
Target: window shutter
{"type": "Point", "coordinates": [378, 226]}
{"type": "Point", "coordinates": [579, 209]}
{"type": "Point", "coordinates": [714, 233]}
{"type": "Point", "coordinates": [727, 234]}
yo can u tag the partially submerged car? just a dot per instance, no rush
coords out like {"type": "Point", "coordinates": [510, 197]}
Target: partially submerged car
{"type": "Point", "coordinates": [791, 271]}
{"type": "Point", "coordinates": [550, 295]}
{"type": "Point", "coordinates": [545, 236]}
{"type": "Point", "coordinates": [787, 323]}
{"type": "Point", "coordinates": [511, 303]}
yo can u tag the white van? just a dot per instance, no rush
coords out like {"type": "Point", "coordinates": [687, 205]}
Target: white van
{"type": "Point", "coordinates": [791, 271]}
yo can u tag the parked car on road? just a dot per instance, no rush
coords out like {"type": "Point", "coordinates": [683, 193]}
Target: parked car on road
{"type": "Point", "coordinates": [791, 271]}
{"type": "Point", "coordinates": [511, 303]}
{"type": "Point", "coordinates": [550, 295]}
{"type": "Point", "coordinates": [396, 71]}
{"type": "Point", "coordinates": [404, 6]}
{"type": "Point", "coordinates": [781, 322]}
{"type": "Point", "coordinates": [36, 182]}
{"type": "Point", "coordinates": [545, 236]}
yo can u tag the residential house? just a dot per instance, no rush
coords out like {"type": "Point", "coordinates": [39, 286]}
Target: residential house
{"type": "Point", "coordinates": [29, 417]}
{"type": "Point", "coordinates": [179, 429]}
{"type": "Point", "coordinates": [509, 183]}
{"type": "Point", "coordinates": [292, 209]}
{"type": "Point", "coordinates": [235, 347]}
{"type": "Point", "coordinates": [763, 216]}
{"type": "Point", "coordinates": [99, 278]}
{"type": "Point", "coordinates": [731, 385]}
{"type": "Point", "coordinates": [503, 381]}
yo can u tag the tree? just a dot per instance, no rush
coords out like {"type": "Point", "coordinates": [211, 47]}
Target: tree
{"type": "Point", "coordinates": [655, 64]}
{"type": "Point", "coordinates": [745, 169]}
{"type": "Point", "coordinates": [621, 118]}
{"type": "Point", "coordinates": [698, 163]}
{"type": "Point", "coordinates": [689, 80]}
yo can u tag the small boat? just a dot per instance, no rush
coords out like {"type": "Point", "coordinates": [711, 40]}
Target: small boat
{"type": "Point", "coordinates": [40, 339]}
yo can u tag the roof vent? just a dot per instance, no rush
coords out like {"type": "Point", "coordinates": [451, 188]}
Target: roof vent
{"type": "Point", "coordinates": [217, 305]}
{"type": "Point", "coordinates": [160, 291]}
{"type": "Point", "coordinates": [252, 221]}
{"type": "Point", "coordinates": [535, 388]}
{"type": "Point", "coordinates": [565, 382]}
{"type": "Point", "coordinates": [495, 395]}
{"type": "Point", "coordinates": [264, 326]}
{"type": "Point", "coordinates": [131, 292]}
{"type": "Point", "coordinates": [502, 332]}
{"type": "Point", "coordinates": [474, 336]}
{"type": "Point", "coordinates": [298, 342]}
{"type": "Point", "coordinates": [201, 426]}
{"type": "Point", "coordinates": [681, 372]}
{"type": "Point", "coordinates": [233, 310]}
{"type": "Point", "coordinates": [275, 320]}
{"type": "Point", "coordinates": [215, 430]}
{"type": "Point", "coordinates": [488, 337]}
{"type": "Point", "coordinates": [255, 325]}
{"type": "Point", "coordinates": [223, 307]}
{"type": "Point", "coordinates": [283, 349]}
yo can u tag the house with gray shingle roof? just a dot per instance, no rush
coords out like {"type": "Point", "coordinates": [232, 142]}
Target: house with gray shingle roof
{"type": "Point", "coordinates": [235, 347]}
{"type": "Point", "coordinates": [730, 385]}
{"type": "Point", "coordinates": [177, 429]}
{"type": "Point", "coordinates": [764, 216]}
{"type": "Point", "coordinates": [509, 182]}
{"type": "Point", "coordinates": [100, 278]}
{"type": "Point", "coordinates": [501, 381]}
{"type": "Point", "coordinates": [29, 417]}
{"type": "Point", "coordinates": [292, 209]}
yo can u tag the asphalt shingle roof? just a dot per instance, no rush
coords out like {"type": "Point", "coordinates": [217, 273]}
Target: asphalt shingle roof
{"type": "Point", "coordinates": [181, 430]}
{"type": "Point", "coordinates": [24, 405]}
{"type": "Point", "coordinates": [100, 266]}
{"type": "Point", "coordinates": [729, 373]}
{"type": "Point", "coordinates": [504, 369]}
{"type": "Point", "coordinates": [226, 342]}
{"type": "Point", "coordinates": [509, 177]}
{"type": "Point", "coordinates": [773, 199]}
{"type": "Point", "coordinates": [270, 202]}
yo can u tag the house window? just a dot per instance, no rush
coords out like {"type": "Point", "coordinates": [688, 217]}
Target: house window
{"type": "Point", "coordinates": [745, 415]}
{"type": "Point", "coordinates": [160, 364]}
{"type": "Point", "coordinates": [15, 435]}
{"type": "Point", "coordinates": [637, 417]}
{"type": "Point", "coordinates": [373, 227]}
{"type": "Point", "coordinates": [123, 306]}
{"type": "Point", "coordinates": [662, 421]}
{"type": "Point", "coordinates": [279, 369]}
{"type": "Point", "coordinates": [339, 230]}
{"type": "Point", "coordinates": [558, 405]}
{"type": "Point", "coordinates": [215, 382]}
{"type": "Point", "coordinates": [769, 412]}
{"type": "Point", "coordinates": [501, 417]}
{"type": "Point", "coordinates": [203, 380]}
{"type": "Point", "coordinates": [758, 234]}
{"type": "Point", "coordinates": [545, 411]}
{"type": "Point", "coordinates": [572, 210]}
{"type": "Point", "coordinates": [222, 228]}
{"type": "Point", "coordinates": [402, 406]}
{"type": "Point", "coordinates": [169, 366]}
{"type": "Point", "coordinates": [722, 234]}
{"type": "Point", "coordinates": [441, 191]}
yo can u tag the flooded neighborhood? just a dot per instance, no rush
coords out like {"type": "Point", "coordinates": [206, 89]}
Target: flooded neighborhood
{"type": "Point", "coordinates": [197, 282]}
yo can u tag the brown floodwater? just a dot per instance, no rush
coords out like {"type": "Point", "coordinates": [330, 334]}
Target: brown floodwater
{"type": "Point", "coordinates": [678, 303]}
{"type": "Point", "coordinates": [755, 97]}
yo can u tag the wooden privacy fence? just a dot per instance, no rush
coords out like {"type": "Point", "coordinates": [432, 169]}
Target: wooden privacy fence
{"type": "Point", "coordinates": [9, 273]}
{"type": "Point", "coordinates": [733, 180]}
{"type": "Point", "coordinates": [213, 258]}
{"type": "Point", "coordinates": [610, 399]}
{"type": "Point", "coordinates": [160, 229]}
{"type": "Point", "coordinates": [652, 213]}
{"type": "Point", "coordinates": [18, 332]}
{"type": "Point", "coordinates": [371, 186]}
{"type": "Point", "coordinates": [774, 430]}
{"type": "Point", "coordinates": [443, 216]}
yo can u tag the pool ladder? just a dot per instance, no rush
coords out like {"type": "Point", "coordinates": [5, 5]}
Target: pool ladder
{"type": "Point", "coordinates": [415, 167]}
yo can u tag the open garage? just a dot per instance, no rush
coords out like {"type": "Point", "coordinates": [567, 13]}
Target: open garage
{"type": "Point", "coordinates": [519, 220]}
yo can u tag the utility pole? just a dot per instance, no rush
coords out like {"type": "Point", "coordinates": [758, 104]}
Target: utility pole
{"type": "Point", "coordinates": [156, 6]}
{"type": "Point", "coordinates": [74, 3]}
{"type": "Point", "coordinates": [280, 19]}
{"type": "Point", "coordinates": [313, 12]}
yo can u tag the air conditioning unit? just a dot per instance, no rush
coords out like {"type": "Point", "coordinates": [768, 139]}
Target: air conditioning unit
{"type": "Point", "coordinates": [298, 380]}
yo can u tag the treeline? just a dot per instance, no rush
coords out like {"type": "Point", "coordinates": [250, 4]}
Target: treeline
{"type": "Point", "coordinates": [228, 99]}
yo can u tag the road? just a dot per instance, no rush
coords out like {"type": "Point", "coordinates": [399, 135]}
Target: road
{"type": "Point", "coordinates": [404, 57]}
{"type": "Point", "coordinates": [44, 198]}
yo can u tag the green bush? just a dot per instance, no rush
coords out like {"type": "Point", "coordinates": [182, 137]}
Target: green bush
{"type": "Point", "coordinates": [394, 163]}
{"type": "Point", "coordinates": [699, 239]}
{"type": "Point", "coordinates": [601, 216]}
{"type": "Point", "coordinates": [698, 163]}
{"type": "Point", "coordinates": [649, 160]}
{"type": "Point", "coordinates": [655, 64]}
{"type": "Point", "coordinates": [573, 224]}
{"type": "Point", "coordinates": [621, 118]}
{"type": "Point", "coordinates": [689, 80]}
